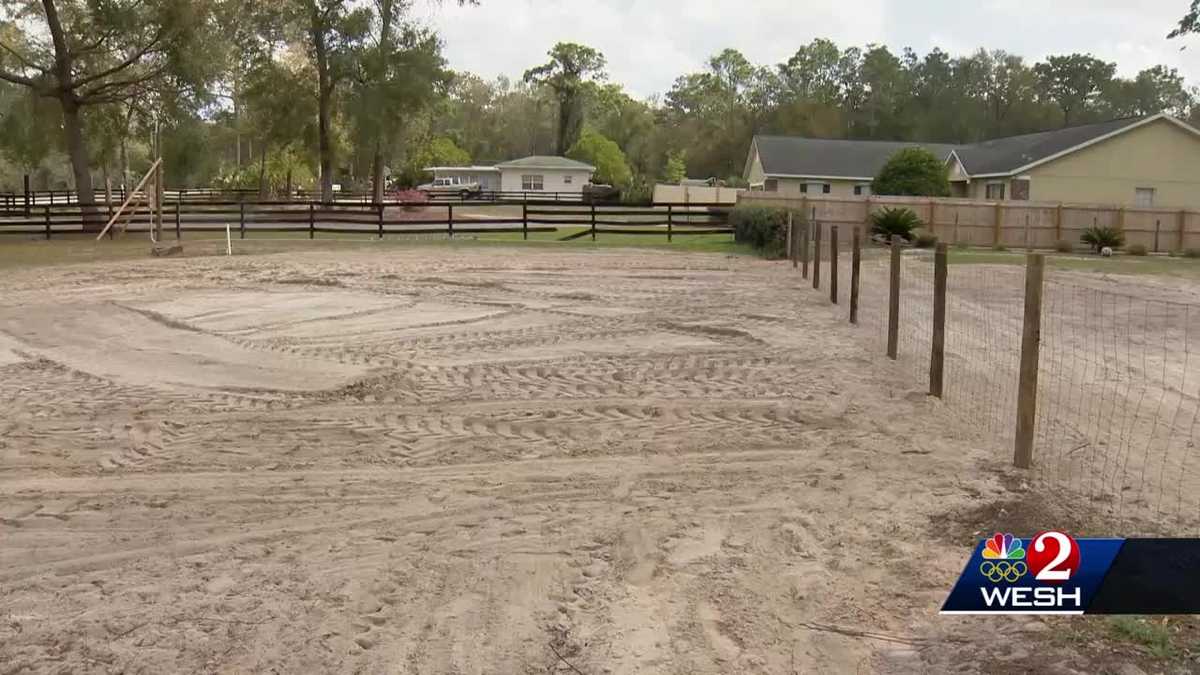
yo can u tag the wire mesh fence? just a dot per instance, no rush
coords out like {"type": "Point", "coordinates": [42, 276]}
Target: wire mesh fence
{"type": "Point", "coordinates": [1118, 375]}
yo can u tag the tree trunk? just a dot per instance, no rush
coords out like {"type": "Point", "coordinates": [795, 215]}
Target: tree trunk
{"type": "Point", "coordinates": [386, 20]}
{"type": "Point", "coordinates": [377, 178]}
{"type": "Point", "coordinates": [262, 173]}
{"type": "Point", "coordinates": [318, 31]}
{"type": "Point", "coordinates": [77, 150]}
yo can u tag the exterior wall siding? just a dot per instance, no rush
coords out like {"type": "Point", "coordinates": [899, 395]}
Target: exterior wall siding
{"type": "Point", "coordinates": [553, 180]}
{"type": "Point", "coordinates": [1159, 155]}
{"type": "Point", "coordinates": [790, 187]}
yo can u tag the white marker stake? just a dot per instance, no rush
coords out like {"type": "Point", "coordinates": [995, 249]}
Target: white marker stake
{"type": "Point", "coordinates": [228, 241]}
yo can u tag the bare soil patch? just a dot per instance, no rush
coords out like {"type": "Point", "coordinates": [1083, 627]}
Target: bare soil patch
{"type": "Point", "coordinates": [471, 461]}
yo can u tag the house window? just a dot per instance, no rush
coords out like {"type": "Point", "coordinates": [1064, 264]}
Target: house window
{"type": "Point", "coordinates": [1020, 189]}
{"type": "Point", "coordinates": [804, 188]}
{"type": "Point", "coordinates": [771, 185]}
{"type": "Point", "coordinates": [825, 188]}
{"type": "Point", "coordinates": [1144, 197]}
{"type": "Point", "coordinates": [532, 183]}
{"type": "Point", "coordinates": [862, 190]}
{"type": "Point", "coordinates": [567, 179]}
{"type": "Point", "coordinates": [995, 191]}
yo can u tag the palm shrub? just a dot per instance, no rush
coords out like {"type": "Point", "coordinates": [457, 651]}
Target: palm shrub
{"type": "Point", "coordinates": [1099, 236]}
{"type": "Point", "coordinates": [763, 228]}
{"type": "Point", "coordinates": [898, 221]}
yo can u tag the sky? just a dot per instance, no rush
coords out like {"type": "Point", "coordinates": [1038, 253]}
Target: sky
{"type": "Point", "coordinates": [648, 43]}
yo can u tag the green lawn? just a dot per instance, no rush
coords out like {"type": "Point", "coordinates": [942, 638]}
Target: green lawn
{"type": "Point", "coordinates": [17, 252]}
{"type": "Point", "coordinates": [1121, 264]}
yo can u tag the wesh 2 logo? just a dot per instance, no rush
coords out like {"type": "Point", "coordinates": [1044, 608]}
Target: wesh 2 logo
{"type": "Point", "coordinates": [1008, 575]}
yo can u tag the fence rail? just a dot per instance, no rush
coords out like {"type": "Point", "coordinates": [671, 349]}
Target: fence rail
{"type": "Point", "coordinates": [1095, 388]}
{"type": "Point", "coordinates": [20, 201]}
{"type": "Point", "coordinates": [450, 218]}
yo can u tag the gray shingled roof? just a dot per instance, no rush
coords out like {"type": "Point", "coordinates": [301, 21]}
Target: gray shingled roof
{"type": "Point", "coordinates": [795, 156]}
{"type": "Point", "coordinates": [1006, 155]}
{"type": "Point", "coordinates": [545, 162]}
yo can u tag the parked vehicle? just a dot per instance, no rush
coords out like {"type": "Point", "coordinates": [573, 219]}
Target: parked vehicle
{"type": "Point", "coordinates": [594, 193]}
{"type": "Point", "coordinates": [451, 186]}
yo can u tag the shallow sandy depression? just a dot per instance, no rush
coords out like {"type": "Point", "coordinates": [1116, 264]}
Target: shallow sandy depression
{"type": "Point", "coordinates": [466, 460]}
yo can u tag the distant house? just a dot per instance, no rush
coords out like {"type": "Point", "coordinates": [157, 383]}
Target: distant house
{"type": "Point", "coordinates": [1141, 161]}
{"type": "Point", "coordinates": [538, 173]}
{"type": "Point", "coordinates": [795, 166]}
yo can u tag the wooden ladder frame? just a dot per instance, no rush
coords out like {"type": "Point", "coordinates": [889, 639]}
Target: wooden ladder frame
{"type": "Point", "coordinates": [155, 202]}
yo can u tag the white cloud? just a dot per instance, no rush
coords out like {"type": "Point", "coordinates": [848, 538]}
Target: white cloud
{"type": "Point", "coordinates": [649, 43]}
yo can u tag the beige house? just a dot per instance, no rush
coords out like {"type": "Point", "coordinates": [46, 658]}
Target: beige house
{"type": "Point", "coordinates": [1151, 161]}
{"type": "Point", "coordinates": [793, 166]}
{"type": "Point", "coordinates": [1140, 162]}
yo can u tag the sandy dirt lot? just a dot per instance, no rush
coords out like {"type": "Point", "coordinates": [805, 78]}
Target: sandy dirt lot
{"type": "Point", "coordinates": [475, 460]}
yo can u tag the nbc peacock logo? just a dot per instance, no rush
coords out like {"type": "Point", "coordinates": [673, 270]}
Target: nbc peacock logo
{"type": "Point", "coordinates": [1003, 559]}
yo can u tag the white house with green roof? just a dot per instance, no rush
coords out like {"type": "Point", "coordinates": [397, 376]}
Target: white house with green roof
{"type": "Point", "coordinates": [537, 173]}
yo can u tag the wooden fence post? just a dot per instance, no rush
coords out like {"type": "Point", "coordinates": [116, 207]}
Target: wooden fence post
{"type": "Point", "coordinates": [450, 221]}
{"type": "Point", "coordinates": [242, 220]}
{"type": "Point", "coordinates": [47, 223]}
{"type": "Point", "coordinates": [855, 264]}
{"type": "Point", "coordinates": [1157, 227]}
{"type": "Point", "coordinates": [311, 230]}
{"type": "Point", "coordinates": [933, 216]}
{"type": "Point", "coordinates": [525, 221]}
{"type": "Point", "coordinates": [669, 219]}
{"type": "Point", "coordinates": [996, 225]}
{"type": "Point", "coordinates": [816, 270]}
{"type": "Point", "coordinates": [593, 221]}
{"type": "Point", "coordinates": [788, 239]}
{"type": "Point", "coordinates": [833, 264]}
{"type": "Point", "coordinates": [1058, 223]}
{"type": "Point", "coordinates": [28, 199]}
{"type": "Point", "coordinates": [1182, 230]}
{"type": "Point", "coordinates": [178, 225]}
{"type": "Point", "coordinates": [937, 357]}
{"type": "Point", "coordinates": [381, 220]}
{"type": "Point", "coordinates": [1031, 337]}
{"type": "Point", "coordinates": [893, 335]}
{"type": "Point", "coordinates": [804, 230]}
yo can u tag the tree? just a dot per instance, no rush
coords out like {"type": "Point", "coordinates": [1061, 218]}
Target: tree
{"type": "Point", "coordinates": [333, 32]}
{"type": "Point", "coordinates": [912, 171]}
{"type": "Point", "coordinates": [439, 151]}
{"type": "Point", "coordinates": [569, 67]}
{"type": "Point", "coordinates": [1190, 23]}
{"type": "Point", "coordinates": [398, 76]}
{"type": "Point", "coordinates": [605, 155]}
{"type": "Point", "coordinates": [676, 168]}
{"type": "Point", "coordinates": [1073, 82]}
{"type": "Point", "coordinates": [98, 53]}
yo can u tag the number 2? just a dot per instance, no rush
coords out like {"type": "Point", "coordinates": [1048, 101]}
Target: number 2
{"type": "Point", "coordinates": [1049, 572]}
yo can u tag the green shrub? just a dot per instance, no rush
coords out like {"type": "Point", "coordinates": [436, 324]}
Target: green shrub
{"type": "Point", "coordinates": [926, 240]}
{"type": "Point", "coordinates": [1136, 249]}
{"type": "Point", "coordinates": [1064, 246]}
{"type": "Point", "coordinates": [890, 222]}
{"type": "Point", "coordinates": [1099, 236]}
{"type": "Point", "coordinates": [1190, 252]}
{"type": "Point", "coordinates": [913, 171]}
{"type": "Point", "coordinates": [761, 227]}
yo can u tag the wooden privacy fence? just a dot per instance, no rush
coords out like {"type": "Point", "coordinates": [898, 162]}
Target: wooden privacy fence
{"type": "Point", "coordinates": [1092, 387]}
{"type": "Point", "coordinates": [1011, 224]}
{"type": "Point", "coordinates": [449, 218]}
